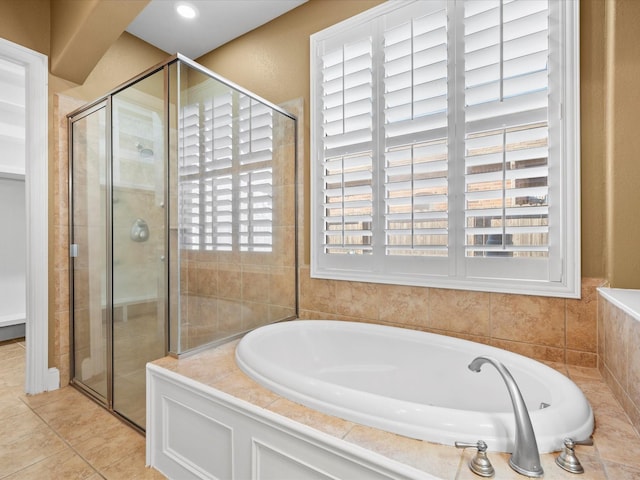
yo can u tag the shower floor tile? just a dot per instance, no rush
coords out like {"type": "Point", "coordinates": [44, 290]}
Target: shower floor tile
{"type": "Point", "coordinates": [61, 434]}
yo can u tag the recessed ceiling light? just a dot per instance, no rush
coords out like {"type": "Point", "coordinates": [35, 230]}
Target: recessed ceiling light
{"type": "Point", "coordinates": [186, 10]}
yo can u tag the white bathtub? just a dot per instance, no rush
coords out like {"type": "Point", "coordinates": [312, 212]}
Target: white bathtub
{"type": "Point", "coordinates": [412, 383]}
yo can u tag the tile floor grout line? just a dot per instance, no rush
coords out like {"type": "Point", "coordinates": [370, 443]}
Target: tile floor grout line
{"type": "Point", "coordinates": [24, 467]}
{"type": "Point", "coordinates": [71, 447]}
{"type": "Point", "coordinates": [33, 406]}
{"type": "Point", "coordinates": [64, 440]}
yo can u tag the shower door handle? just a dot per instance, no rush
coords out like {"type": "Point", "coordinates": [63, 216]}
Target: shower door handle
{"type": "Point", "coordinates": [73, 250]}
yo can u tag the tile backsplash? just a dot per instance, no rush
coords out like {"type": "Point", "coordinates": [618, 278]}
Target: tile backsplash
{"type": "Point", "coordinates": [544, 328]}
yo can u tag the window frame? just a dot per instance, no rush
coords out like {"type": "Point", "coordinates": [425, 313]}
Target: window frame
{"type": "Point", "coordinates": [458, 271]}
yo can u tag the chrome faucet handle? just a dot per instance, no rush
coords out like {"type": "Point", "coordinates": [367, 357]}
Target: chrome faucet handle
{"type": "Point", "coordinates": [479, 464]}
{"type": "Point", "coordinates": [588, 441]}
{"type": "Point", "coordinates": [567, 459]}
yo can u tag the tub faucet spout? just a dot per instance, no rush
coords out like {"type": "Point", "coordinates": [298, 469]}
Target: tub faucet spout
{"type": "Point", "coordinates": [525, 458]}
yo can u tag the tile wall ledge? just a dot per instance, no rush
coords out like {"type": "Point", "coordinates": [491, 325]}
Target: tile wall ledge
{"type": "Point", "coordinates": [626, 299]}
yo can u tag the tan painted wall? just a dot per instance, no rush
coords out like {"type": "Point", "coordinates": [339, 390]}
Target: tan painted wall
{"type": "Point", "coordinates": [592, 118]}
{"type": "Point", "coordinates": [82, 32]}
{"type": "Point", "coordinates": [273, 61]}
{"type": "Point", "coordinates": [27, 23]}
{"type": "Point", "coordinates": [127, 57]}
{"type": "Point", "coordinates": [623, 143]}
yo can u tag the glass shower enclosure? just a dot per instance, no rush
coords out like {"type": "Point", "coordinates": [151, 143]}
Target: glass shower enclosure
{"type": "Point", "coordinates": [182, 225]}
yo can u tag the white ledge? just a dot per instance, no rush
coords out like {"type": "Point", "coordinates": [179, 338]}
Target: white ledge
{"type": "Point", "coordinates": [627, 300]}
{"type": "Point", "coordinates": [11, 174]}
{"type": "Point", "coordinates": [12, 319]}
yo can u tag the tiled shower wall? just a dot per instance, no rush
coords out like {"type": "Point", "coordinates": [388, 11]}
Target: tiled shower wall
{"type": "Point", "coordinates": [548, 329]}
{"type": "Point", "coordinates": [619, 355]}
{"type": "Point", "coordinates": [225, 293]}
{"type": "Point", "coordinates": [59, 355]}
{"type": "Point", "coordinates": [222, 293]}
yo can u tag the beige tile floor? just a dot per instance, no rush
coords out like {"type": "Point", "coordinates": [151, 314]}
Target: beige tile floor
{"type": "Point", "coordinates": [62, 434]}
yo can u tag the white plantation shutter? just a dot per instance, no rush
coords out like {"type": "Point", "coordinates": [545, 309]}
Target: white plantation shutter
{"type": "Point", "coordinates": [506, 128]}
{"type": "Point", "coordinates": [256, 172]}
{"type": "Point", "coordinates": [347, 129]}
{"type": "Point", "coordinates": [445, 146]}
{"type": "Point", "coordinates": [189, 186]}
{"type": "Point", "coordinates": [218, 165]}
{"type": "Point", "coordinates": [226, 145]}
{"type": "Point", "coordinates": [415, 65]}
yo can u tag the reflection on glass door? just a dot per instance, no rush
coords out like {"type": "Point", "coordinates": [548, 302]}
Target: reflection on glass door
{"type": "Point", "coordinates": [89, 251]}
{"type": "Point", "coordinates": [118, 245]}
{"type": "Point", "coordinates": [139, 321]}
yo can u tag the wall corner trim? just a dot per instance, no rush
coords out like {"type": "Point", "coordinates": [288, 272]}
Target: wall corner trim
{"type": "Point", "coordinates": [37, 204]}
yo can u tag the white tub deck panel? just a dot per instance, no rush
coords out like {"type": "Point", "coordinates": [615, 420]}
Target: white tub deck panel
{"type": "Point", "coordinates": [195, 431]}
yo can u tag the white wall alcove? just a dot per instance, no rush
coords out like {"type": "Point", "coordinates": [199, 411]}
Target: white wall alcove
{"type": "Point", "coordinates": [39, 377]}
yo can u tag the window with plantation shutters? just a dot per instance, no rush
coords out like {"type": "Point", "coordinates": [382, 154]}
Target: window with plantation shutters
{"type": "Point", "coordinates": [225, 152]}
{"type": "Point", "coordinates": [445, 146]}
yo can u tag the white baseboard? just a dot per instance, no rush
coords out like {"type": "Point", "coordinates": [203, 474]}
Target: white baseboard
{"type": "Point", "coordinates": [53, 379]}
{"type": "Point", "coordinates": [14, 319]}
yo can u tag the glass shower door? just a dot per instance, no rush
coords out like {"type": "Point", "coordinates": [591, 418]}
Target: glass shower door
{"type": "Point", "coordinates": [90, 279]}
{"type": "Point", "coordinates": [139, 241]}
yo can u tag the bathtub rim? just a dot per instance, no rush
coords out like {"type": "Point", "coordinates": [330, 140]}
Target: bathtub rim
{"type": "Point", "coordinates": [501, 430]}
{"type": "Point", "coordinates": [625, 298]}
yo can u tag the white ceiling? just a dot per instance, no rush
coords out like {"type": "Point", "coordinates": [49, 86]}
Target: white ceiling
{"type": "Point", "coordinates": [219, 21]}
